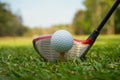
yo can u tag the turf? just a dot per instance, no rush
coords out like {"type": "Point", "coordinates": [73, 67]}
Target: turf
{"type": "Point", "coordinates": [19, 61]}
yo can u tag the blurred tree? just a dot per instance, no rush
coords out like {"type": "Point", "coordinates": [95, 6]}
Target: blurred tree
{"type": "Point", "coordinates": [117, 21]}
{"type": "Point", "coordinates": [76, 23]}
{"type": "Point", "coordinates": [98, 10]}
{"type": "Point", "coordinates": [10, 24]}
{"type": "Point", "coordinates": [85, 21]}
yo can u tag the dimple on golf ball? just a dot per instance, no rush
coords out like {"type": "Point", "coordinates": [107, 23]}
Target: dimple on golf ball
{"type": "Point", "coordinates": [61, 41]}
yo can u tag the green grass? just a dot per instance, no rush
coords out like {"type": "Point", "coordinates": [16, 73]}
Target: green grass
{"type": "Point", "coordinates": [19, 61]}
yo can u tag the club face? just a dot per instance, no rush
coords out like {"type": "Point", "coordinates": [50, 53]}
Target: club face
{"type": "Point", "coordinates": [43, 47]}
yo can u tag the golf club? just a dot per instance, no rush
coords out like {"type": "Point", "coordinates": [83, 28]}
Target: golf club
{"type": "Point", "coordinates": [80, 48]}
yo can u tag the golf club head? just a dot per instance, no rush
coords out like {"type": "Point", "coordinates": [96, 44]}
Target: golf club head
{"type": "Point", "coordinates": [79, 49]}
{"type": "Point", "coordinates": [43, 47]}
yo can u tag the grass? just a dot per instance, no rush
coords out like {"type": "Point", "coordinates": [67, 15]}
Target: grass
{"type": "Point", "coordinates": [19, 61]}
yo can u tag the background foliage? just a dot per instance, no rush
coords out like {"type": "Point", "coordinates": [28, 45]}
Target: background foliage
{"type": "Point", "coordinates": [86, 20]}
{"type": "Point", "coordinates": [10, 24]}
{"type": "Point", "coordinates": [83, 23]}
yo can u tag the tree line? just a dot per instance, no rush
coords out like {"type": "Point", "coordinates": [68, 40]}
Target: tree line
{"type": "Point", "coordinates": [84, 21]}
{"type": "Point", "coordinates": [10, 24]}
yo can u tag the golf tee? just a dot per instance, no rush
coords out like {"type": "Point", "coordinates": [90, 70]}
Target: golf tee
{"type": "Point", "coordinates": [62, 56]}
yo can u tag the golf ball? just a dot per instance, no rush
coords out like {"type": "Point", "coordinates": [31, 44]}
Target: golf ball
{"type": "Point", "coordinates": [61, 41]}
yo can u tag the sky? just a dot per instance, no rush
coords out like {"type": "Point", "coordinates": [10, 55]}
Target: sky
{"type": "Point", "coordinates": [45, 13]}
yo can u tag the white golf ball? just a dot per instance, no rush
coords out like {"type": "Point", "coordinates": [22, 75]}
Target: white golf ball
{"type": "Point", "coordinates": [61, 41]}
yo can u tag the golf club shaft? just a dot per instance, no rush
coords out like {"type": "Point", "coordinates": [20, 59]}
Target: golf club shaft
{"type": "Point", "coordinates": [96, 32]}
